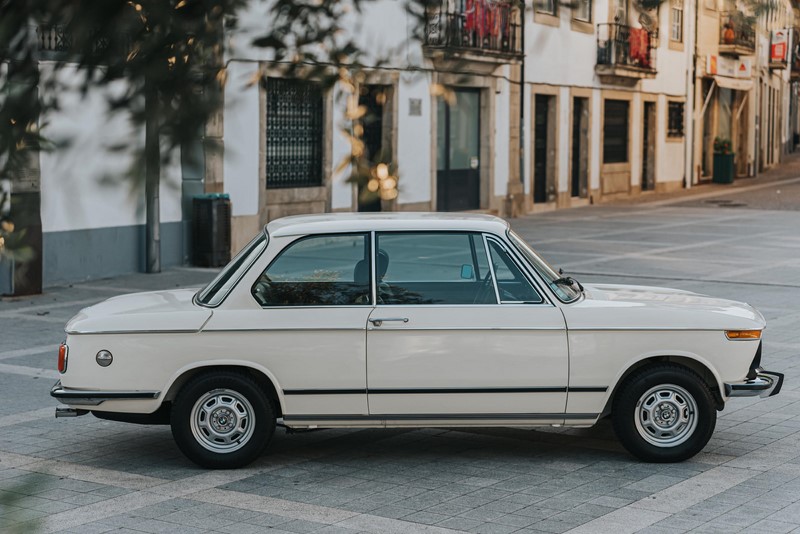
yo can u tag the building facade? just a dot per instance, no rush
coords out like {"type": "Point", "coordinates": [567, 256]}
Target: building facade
{"type": "Point", "coordinates": [743, 85]}
{"type": "Point", "coordinates": [501, 107]}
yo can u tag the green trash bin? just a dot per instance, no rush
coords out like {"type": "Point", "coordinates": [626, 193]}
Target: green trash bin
{"type": "Point", "coordinates": [723, 168]}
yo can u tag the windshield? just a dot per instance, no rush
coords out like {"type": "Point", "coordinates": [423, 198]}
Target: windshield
{"type": "Point", "coordinates": [218, 289]}
{"type": "Point", "coordinates": [550, 275]}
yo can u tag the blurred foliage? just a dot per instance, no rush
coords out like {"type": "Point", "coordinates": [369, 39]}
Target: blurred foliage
{"type": "Point", "coordinates": [12, 243]}
{"type": "Point", "coordinates": [172, 51]}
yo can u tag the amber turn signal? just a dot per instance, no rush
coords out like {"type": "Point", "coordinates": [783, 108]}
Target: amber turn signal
{"type": "Point", "coordinates": [743, 334]}
{"type": "Point", "coordinates": [63, 354]}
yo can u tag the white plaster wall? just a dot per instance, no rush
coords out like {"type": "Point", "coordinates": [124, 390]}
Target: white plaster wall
{"type": "Point", "coordinates": [85, 184]}
{"type": "Point", "coordinates": [635, 143]}
{"type": "Point", "coordinates": [242, 135]}
{"type": "Point", "coordinates": [414, 140]}
{"type": "Point", "coordinates": [564, 138]}
{"type": "Point", "coordinates": [670, 155]}
{"type": "Point", "coordinates": [594, 161]}
{"type": "Point", "coordinates": [501, 137]}
{"type": "Point", "coordinates": [528, 137]}
{"type": "Point", "coordinates": [381, 30]}
{"type": "Point", "coordinates": [341, 191]}
{"type": "Point", "coordinates": [559, 56]}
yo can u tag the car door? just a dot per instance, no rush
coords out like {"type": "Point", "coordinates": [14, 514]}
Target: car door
{"type": "Point", "coordinates": [447, 342]}
{"type": "Point", "coordinates": [315, 298]}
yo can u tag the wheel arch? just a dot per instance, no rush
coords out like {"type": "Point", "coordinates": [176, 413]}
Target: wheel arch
{"type": "Point", "coordinates": [262, 376]}
{"type": "Point", "coordinates": [693, 363]}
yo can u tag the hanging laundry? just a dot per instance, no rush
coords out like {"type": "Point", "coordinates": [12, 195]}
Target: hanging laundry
{"type": "Point", "coordinates": [639, 43]}
{"type": "Point", "coordinates": [470, 15]}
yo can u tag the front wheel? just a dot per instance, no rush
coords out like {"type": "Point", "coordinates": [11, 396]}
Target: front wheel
{"type": "Point", "coordinates": [222, 420]}
{"type": "Point", "coordinates": [664, 413]}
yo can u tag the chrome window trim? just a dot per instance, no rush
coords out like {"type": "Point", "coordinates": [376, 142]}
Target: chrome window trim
{"type": "Point", "coordinates": [491, 269]}
{"type": "Point", "coordinates": [535, 274]}
{"type": "Point", "coordinates": [521, 265]}
{"type": "Point", "coordinates": [245, 270]}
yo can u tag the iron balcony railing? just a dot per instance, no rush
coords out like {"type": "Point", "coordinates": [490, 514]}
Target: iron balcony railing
{"type": "Point", "coordinates": [736, 30]}
{"type": "Point", "coordinates": [53, 39]}
{"type": "Point", "coordinates": [57, 42]}
{"type": "Point", "coordinates": [475, 26]}
{"type": "Point", "coordinates": [619, 45]}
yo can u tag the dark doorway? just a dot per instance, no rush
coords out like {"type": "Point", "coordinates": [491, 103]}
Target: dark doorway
{"type": "Point", "coordinates": [580, 147]}
{"type": "Point", "coordinates": [544, 149]}
{"type": "Point", "coordinates": [649, 147]}
{"type": "Point", "coordinates": [458, 152]}
{"type": "Point", "coordinates": [373, 98]}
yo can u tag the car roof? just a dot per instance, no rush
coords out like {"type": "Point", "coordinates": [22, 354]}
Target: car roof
{"type": "Point", "coordinates": [364, 222]}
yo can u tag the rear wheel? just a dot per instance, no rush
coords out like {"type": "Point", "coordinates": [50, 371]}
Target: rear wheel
{"type": "Point", "coordinates": [664, 413]}
{"type": "Point", "coordinates": [222, 420]}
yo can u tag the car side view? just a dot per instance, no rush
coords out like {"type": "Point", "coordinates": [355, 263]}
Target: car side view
{"type": "Point", "coordinates": [409, 320]}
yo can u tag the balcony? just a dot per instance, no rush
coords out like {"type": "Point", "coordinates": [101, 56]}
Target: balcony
{"type": "Point", "coordinates": [737, 34]}
{"type": "Point", "coordinates": [56, 42]}
{"type": "Point", "coordinates": [625, 55]}
{"type": "Point", "coordinates": [478, 32]}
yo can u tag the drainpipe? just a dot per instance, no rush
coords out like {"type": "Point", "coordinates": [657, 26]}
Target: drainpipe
{"type": "Point", "coordinates": [691, 96]}
{"type": "Point", "coordinates": [522, 102]}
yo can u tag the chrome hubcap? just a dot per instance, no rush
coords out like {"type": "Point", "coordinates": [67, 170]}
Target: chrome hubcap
{"type": "Point", "coordinates": [666, 415]}
{"type": "Point", "coordinates": [223, 420]}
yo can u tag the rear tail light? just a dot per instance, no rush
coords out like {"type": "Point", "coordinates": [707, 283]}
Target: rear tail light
{"type": "Point", "coordinates": [63, 355]}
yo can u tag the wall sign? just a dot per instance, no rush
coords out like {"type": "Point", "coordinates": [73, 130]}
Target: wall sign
{"type": "Point", "coordinates": [732, 68]}
{"type": "Point", "coordinates": [779, 46]}
{"type": "Point", "coordinates": [415, 107]}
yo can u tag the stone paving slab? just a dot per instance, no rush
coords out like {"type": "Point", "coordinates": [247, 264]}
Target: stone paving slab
{"type": "Point", "coordinates": [88, 475]}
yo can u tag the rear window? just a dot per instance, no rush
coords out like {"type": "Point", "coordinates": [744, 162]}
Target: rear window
{"type": "Point", "coordinates": [215, 292]}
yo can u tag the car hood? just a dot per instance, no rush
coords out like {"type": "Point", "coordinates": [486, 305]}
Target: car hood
{"type": "Point", "coordinates": [154, 311]}
{"type": "Point", "coordinates": [607, 305]}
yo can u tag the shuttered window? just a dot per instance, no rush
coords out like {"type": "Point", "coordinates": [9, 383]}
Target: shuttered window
{"type": "Point", "coordinates": [615, 131]}
{"type": "Point", "coordinates": [294, 133]}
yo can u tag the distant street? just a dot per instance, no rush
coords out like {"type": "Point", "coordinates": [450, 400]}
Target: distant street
{"type": "Point", "coordinates": [89, 476]}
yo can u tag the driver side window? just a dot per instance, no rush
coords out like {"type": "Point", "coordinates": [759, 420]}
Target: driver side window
{"type": "Point", "coordinates": [433, 268]}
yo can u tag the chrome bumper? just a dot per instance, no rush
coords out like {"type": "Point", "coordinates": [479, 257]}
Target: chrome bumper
{"type": "Point", "coordinates": [765, 384]}
{"type": "Point", "coordinates": [86, 397]}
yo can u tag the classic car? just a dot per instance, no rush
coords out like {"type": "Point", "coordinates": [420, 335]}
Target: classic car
{"type": "Point", "coordinates": [408, 320]}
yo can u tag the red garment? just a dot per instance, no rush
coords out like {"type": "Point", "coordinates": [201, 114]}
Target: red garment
{"type": "Point", "coordinates": [491, 20]}
{"type": "Point", "coordinates": [639, 42]}
{"type": "Point", "coordinates": [469, 23]}
{"type": "Point", "coordinates": [480, 15]}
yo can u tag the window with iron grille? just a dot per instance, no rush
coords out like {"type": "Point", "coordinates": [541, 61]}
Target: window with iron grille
{"type": "Point", "coordinates": [294, 133]}
{"type": "Point", "coordinates": [615, 131]}
{"type": "Point", "coordinates": [675, 119]}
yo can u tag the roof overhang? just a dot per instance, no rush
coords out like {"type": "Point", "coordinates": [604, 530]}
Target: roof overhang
{"type": "Point", "coordinates": [736, 84]}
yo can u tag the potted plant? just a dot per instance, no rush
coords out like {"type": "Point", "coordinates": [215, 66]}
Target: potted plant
{"type": "Point", "coordinates": [723, 161]}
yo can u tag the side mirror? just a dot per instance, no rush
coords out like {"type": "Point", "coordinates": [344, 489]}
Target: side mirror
{"type": "Point", "coordinates": [466, 272]}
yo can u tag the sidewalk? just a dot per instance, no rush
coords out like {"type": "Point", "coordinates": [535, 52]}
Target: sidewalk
{"type": "Point", "coordinates": [786, 173]}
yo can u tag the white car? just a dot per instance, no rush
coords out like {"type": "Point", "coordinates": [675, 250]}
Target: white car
{"type": "Point", "coordinates": [409, 320]}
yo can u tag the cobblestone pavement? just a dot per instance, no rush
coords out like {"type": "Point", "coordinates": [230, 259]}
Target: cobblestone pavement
{"type": "Point", "coordinates": [85, 475]}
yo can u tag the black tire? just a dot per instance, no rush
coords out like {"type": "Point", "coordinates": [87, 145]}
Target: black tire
{"type": "Point", "coordinates": [222, 420]}
{"type": "Point", "coordinates": [675, 419]}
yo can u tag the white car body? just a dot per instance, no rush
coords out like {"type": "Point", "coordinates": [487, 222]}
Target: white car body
{"type": "Point", "coordinates": [553, 363]}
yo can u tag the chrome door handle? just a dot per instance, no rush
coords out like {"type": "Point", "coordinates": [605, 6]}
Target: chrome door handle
{"type": "Point", "coordinates": [378, 322]}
